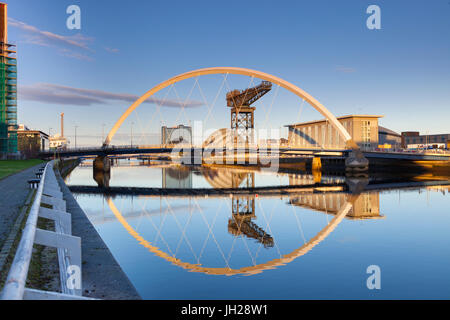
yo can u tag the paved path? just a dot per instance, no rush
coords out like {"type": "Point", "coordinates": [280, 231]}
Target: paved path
{"type": "Point", "coordinates": [13, 193]}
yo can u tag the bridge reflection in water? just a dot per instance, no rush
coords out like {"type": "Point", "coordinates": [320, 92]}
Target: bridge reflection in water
{"type": "Point", "coordinates": [247, 215]}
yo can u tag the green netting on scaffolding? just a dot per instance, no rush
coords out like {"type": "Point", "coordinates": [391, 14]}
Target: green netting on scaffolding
{"type": "Point", "coordinates": [8, 105]}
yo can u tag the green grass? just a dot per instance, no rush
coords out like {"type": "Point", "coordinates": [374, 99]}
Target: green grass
{"type": "Point", "coordinates": [8, 167]}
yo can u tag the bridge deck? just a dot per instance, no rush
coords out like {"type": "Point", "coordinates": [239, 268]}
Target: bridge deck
{"type": "Point", "coordinates": [198, 152]}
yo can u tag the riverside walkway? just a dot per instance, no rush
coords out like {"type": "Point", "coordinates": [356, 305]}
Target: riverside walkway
{"type": "Point", "coordinates": [102, 277]}
{"type": "Point", "coordinates": [14, 191]}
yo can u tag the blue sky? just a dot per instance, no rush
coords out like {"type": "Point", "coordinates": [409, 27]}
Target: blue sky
{"type": "Point", "coordinates": [124, 48]}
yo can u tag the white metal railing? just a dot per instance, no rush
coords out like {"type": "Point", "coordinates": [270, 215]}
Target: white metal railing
{"type": "Point", "coordinates": [409, 151]}
{"type": "Point", "coordinates": [68, 246]}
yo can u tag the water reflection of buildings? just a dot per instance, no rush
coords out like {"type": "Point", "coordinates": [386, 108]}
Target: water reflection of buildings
{"type": "Point", "coordinates": [178, 178]}
{"type": "Point", "coordinates": [367, 206]}
{"type": "Point", "coordinates": [301, 179]}
{"type": "Point", "coordinates": [441, 189]}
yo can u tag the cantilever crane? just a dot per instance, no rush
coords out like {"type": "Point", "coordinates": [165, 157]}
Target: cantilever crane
{"type": "Point", "coordinates": [242, 114]}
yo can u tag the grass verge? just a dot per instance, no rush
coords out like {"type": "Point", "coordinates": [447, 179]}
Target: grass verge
{"type": "Point", "coordinates": [9, 167]}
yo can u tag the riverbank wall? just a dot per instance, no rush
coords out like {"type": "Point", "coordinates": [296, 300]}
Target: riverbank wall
{"type": "Point", "coordinates": [102, 276]}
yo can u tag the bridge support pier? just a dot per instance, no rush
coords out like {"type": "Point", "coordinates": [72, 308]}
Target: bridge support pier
{"type": "Point", "coordinates": [101, 171]}
{"type": "Point", "coordinates": [102, 163]}
{"type": "Point", "coordinates": [356, 163]}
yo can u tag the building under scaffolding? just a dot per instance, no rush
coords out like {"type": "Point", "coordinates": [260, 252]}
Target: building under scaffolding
{"type": "Point", "coordinates": [8, 89]}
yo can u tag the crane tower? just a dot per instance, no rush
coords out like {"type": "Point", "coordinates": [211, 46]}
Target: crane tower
{"type": "Point", "coordinates": [242, 113]}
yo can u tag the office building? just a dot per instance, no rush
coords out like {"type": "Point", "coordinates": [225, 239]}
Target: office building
{"type": "Point", "coordinates": [31, 142]}
{"type": "Point", "coordinates": [176, 135]}
{"type": "Point", "coordinates": [321, 134]}
{"type": "Point", "coordinates": [413, 140]}
{"type": "Point", "coordinates": [388, 138]}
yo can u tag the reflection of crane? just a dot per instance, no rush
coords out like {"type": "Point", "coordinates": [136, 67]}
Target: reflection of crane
{"type": "Point", "coordinates": [250, 270]}
{"type": "Point", "coordinates": [242, 206]}
{"type": "Point", "coordinates": [242, 114]}
{"type": "Point", "coordinates": [241, 224]}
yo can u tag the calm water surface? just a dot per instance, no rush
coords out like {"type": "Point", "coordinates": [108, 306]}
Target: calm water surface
{"type": "Point", "coordinates": [296, 246]}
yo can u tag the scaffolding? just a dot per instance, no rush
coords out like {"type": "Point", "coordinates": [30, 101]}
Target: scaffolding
{"type": "Point", "coordinates": [8, 99]}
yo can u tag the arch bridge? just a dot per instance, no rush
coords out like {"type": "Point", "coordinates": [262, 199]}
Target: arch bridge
{"type": "Point", "coordinates": [355, 159]}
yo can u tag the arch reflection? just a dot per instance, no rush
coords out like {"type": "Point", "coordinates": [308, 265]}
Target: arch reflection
{"type": "Point", "coordinates": [264, 238]}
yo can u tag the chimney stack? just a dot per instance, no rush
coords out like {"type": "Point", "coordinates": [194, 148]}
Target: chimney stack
{"type": "Point", "coordinates": [3, 23]}
{"type": "Point", "coordinates": [62, 124]}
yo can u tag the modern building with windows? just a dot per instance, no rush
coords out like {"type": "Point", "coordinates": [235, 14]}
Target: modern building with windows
{"type": "Point", "coordinates": [31, 142]}
{"type": "Point", "coordinates": [176, 135]}
{"type": "Point", "coordinates": [321, 134]}
{"type": "Point", "coordinates": [8, 89]}
{"type": "Point", "coordinates": [389, 138]}
{"type": "Point", "coordinates": [413, 139]}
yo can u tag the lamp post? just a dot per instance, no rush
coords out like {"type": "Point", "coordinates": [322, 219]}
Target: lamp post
{"type": "Point", "coordinates": [132, 123]}
{"type": "Point", "coordinates": [76, 136]}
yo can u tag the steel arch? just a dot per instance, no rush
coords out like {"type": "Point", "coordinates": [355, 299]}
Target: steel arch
{"type": "Point", "coordinates": [240, 71]}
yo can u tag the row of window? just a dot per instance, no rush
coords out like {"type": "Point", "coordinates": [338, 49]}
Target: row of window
{"type": "Point", "coordinates": [428, 139]}
{"type": "Point", "coordinates": [310, 136]}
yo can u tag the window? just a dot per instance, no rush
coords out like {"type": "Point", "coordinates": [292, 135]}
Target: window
{"type": "Point", "coordinates": [330, 136]}
{"type": "Point", "coordinates": [316, 134]}
{"type": "Point", "coordinates": [366, 134]}
{"type": "Point", "coordinates": [323, 135]}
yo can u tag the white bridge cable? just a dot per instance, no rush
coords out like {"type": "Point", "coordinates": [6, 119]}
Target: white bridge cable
{"type": "Point", "coordinates": [185, 101]}
{"type": "Point", "coordinates": [159, 103]}
{"type": "Point", "coordinates": [268, 224]}
{"type": "Point", "coordinates": [209, 232]}
{"type": "Point", "coordinates": [267, 227]}
{"type": "Point", "coordinates": [183, 232]}
{"type": "Point", "coordinates": [158, 230]}
{"type": "Point", "coordinates": [210, 107]}
{"type": "Point", "coordinates": [266, 121]}
{"type": "Point", "coordinates": [212, 233]}
{"type": "Point", "coordinates": [299, 224]}
{"type": "Point", "coordinates": [300, 110]}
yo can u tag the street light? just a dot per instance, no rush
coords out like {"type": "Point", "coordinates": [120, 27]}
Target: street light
{"type": "Point", "coordinates": [132, 123]}
{"type": "Point", "coordinates": [76, 136]}
{"type": "Point", "coordinates": [103, 132]}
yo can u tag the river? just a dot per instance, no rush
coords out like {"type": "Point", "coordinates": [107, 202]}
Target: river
{"type": "Point", "coordinates": [314, 243]}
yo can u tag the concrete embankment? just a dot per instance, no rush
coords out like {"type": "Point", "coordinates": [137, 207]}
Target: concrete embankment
{"type": "Point", "coordinates": [102, 277]}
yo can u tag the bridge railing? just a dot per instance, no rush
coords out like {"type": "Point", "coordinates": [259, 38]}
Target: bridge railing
{"type": "Point", "coordinates": [409, 151]}
{"type": "Point", "coordinates": [48, 203]}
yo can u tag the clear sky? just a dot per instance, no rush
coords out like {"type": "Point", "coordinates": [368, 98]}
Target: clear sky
{"type": "Point", "coordinates": [126, 47]}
